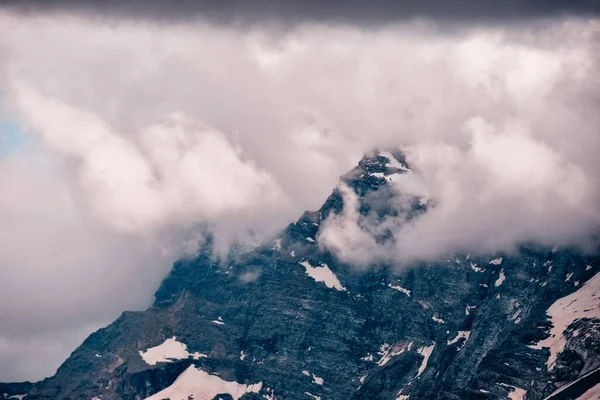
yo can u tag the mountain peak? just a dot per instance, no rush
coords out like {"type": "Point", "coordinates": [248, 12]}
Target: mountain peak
{"type": "Point", "coordinates": [375, 169]}
{"type": "Point", "coordinates": [289, 320]}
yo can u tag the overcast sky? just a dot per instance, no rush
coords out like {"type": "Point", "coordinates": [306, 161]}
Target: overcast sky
{"type": "Point", "coordinates": [357, 12]}
{"type": "Point", "coordinates": [123, 131]}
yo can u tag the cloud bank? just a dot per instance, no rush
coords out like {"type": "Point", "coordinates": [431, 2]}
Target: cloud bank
{"type": "Point", "coordinates": [137, 131]}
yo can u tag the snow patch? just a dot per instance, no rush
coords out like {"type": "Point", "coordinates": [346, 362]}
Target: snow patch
{"type": "Point", "coordinates": [270, 394]}
{"type": "Point", "coordinates": [387, 352]}
{"type": "Point", "coordinates": [584, 303]}
{"type": "Point", "coordinates": [438, 320]}
{"type": "Point", "coordinates": [460, 335]}
{"type": "Point", "coordinates": [468, 309]}
{"type": "Point", "coordinates": [496, 261]}
{"type": "Point", "coordinates": [568, 277]}
{"type": "Point", "coordinates": [323, 274]}
{"type": "Point", "coordinates": [168, 351]}
{"type": "Point", "coordinates": [203, 386]}
{"type": "Point", "coordinates": [426, 353]}
{"type": "Point", "coordinates": [388, 178]}
{"type": "Point", "coordinates": [400, 289]}
{"type": "Point", "coordinates": [392, 161]}
{"type": "Point", "coordinates": [475, 268]}
{"type": "Point", "coordinates": [384, 352]}
{"type": "Point", "coordinates": [517, 394]}
{"type": "Point", "coordinates": [313, 396]}
{"type": "Point", "coordinates": [310, 239]}
{"type": "Point", "coordinates": [500, 279]}
{"type": "Point", "coordinates": [317, 380]}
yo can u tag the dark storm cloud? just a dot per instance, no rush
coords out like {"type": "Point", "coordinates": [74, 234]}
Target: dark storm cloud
{"type": "Point", "coordinates": [346, 11]}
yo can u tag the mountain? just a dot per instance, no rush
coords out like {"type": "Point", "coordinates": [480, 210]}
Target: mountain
{"type": "Point", "coordinates": [289, 320]}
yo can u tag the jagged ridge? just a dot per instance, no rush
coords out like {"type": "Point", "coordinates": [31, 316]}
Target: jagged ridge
{"type": "Point", "coordinates": [454, 329]}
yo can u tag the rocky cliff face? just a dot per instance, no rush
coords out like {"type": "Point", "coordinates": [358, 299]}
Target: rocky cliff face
{"type": "Point", "coordinates": [288, 320]}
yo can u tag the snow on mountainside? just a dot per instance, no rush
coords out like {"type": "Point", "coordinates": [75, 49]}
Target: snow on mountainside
{"type": "Point", "coordinates": [323, 274]}
{"type": "Point", "coordinates": [168, 351]}
{"type": "Point", "coordinates": [308, 325]}
{"type": "Point", "coordinates": [584, 303]}
{"type": "Point", "coordinates": [200, 385]}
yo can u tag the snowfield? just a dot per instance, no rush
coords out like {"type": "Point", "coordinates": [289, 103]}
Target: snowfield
{"type": "Point", "coordinates": [169, 350]}
{"type": "Point", "coordinates": [323, 274]}
{"type": "Point", "coordinates": [584, 303]}
{"type": "Point", "coordinates": [203, 386]}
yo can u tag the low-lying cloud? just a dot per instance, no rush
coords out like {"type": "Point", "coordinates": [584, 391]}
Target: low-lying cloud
{"type": "Point", "coordinates": [138, 131]}
{"type": "Point", "coordinates": [502, 191]}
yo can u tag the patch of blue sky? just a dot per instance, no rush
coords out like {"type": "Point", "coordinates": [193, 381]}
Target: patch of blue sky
{"type": "Point", "coordinates": [12, 137]}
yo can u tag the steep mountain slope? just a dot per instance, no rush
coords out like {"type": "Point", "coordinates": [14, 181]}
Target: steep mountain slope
{"type": "Point", "coordinates": [15, 390]}
{"type": "Point", "coordinates": [288, 320]}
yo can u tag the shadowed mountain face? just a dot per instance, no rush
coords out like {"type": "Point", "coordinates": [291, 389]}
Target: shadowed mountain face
{"type": "Point", "coordinates": [289, 320]}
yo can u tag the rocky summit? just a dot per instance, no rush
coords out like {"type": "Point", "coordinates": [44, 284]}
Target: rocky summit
{"type": "Point", "coordinates": [288, 319]}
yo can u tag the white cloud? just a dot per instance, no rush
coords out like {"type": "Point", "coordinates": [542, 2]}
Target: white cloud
{"type": "Point", "coordinates": [174, 171]}
{"type": "Point", "coordinates": [342, 233]}
{"type": "Point", "coordinates": [145, 129]}
{"type": "Point", "coordinates": [502, 189]}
